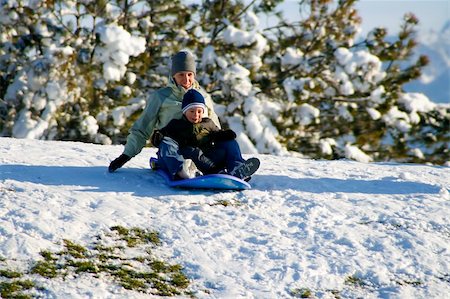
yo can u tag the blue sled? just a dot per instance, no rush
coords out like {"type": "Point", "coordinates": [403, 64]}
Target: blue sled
{"type": "Point", "coordinates": [209, 181]}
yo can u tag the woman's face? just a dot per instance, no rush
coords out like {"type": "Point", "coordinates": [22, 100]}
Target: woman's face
{"type": "Point", "coordinates": [184, 79]}
{"type": "Point", "coordinates": [194, 114]}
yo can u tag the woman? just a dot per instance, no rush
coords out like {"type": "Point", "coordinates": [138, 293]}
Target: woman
{"type": "Point", "coordinates": [162, 106]}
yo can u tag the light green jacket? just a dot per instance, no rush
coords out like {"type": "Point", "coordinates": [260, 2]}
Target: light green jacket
{"type": "Point", "coordinates": [162, 106]}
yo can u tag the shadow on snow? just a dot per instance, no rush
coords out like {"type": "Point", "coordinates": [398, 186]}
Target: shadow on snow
{"type": "Point", "coordinates": [323, 185]}
{"type": "Point", "coordinates": [139, 182]}
{"type": "Point", "coordinates": [144, 182]}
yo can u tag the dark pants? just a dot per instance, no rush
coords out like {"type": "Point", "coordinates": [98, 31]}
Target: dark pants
{"type": "Point", "coordinates": [233, 155]}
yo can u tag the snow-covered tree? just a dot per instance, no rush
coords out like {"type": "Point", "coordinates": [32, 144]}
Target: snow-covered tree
{"type": "Point", "coordinates": [82, 70]}
{"type": "Point", "coordinates": [79, 70]}
{"type": "Point", "coordinates": [344, 98]}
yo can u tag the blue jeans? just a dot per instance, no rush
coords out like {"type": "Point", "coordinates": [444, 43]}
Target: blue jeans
{"type": "Point", "coordinates": [222, 155]}
{"type": "Point", "coordinates": [168, 157]}
{"type": "Point", "coordinates": [232, 156]}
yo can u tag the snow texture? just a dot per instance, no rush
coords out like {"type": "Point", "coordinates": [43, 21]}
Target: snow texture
{"type": "Point", "coordinates": [305, 224]}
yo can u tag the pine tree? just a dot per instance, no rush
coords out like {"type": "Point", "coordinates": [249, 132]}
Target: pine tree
{"type": "Point", "coordinates": [342, 95]}
{"type": "Point", "coordinates": [55, 79]}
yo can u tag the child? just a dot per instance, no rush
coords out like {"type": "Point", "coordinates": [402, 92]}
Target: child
{"type": "Point", "coordinates": [204, 146]}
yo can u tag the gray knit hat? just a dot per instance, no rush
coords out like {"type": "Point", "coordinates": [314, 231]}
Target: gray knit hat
{"type": "Point", "coordinates": [183, 61]}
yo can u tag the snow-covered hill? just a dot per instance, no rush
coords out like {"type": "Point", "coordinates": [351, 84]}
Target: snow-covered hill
{"type": "Point", "coordinates": [326, 229]}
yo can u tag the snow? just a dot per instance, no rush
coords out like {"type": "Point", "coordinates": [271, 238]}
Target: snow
{"type": "Point", "coordinates": [89, 125]}
{"type": "Point", "coordinates": [355, 64]}
{"type": "Point", "coordinates": [326, 145]}
{"type": "Point", "coordinates": [397, 118]}
{"type": "Point", "coordinates": [121, 113]}
{"type": "Point", "coordinates": [237, 37]}
{"type": "Point", "coordinates": [238, 77]}
{"type": "Point", "coordinates": [416, 102]}
{"type": "Point", "coordinates": [305, 224]}
{"type": "Point", "coordinates": [377, 95]}
{"type": "Point", "coordinates": [374, 114]}
{"type": "Point", "coordinates": [291, 85]}
{"type": "Point", "coordinates": [307, 114]}
{"type": "Point", "coordinates": [292, 57]}
{"type": "Point", "coordinates": [119, 45]}
{"type": "Point", "coordinates": [352, 152]}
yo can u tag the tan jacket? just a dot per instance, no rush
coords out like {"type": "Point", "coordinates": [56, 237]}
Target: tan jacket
{"type": "Point", "coordinates": [162, 106]}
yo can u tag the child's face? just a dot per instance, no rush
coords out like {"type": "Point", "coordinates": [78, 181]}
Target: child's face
{"type": "Point", "coordinates": [194, 114]}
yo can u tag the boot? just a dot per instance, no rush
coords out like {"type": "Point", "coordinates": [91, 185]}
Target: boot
{"type": "Point", "coordinates": [246, 169]}
{"type": "Point", "coordinates": [188, 170]}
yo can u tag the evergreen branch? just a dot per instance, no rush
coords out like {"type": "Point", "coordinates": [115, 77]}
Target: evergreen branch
{"type": "Point", "coordinates": [219, 28]}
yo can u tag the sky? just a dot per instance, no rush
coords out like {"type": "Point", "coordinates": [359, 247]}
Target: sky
{"type": "Point", "coordinates": [432, 14]}
{"type": "Point", "coordinates": [331, 228]}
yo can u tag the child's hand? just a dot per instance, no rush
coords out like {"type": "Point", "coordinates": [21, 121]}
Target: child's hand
{"type": "Point", "coordinates": [223, 135]}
